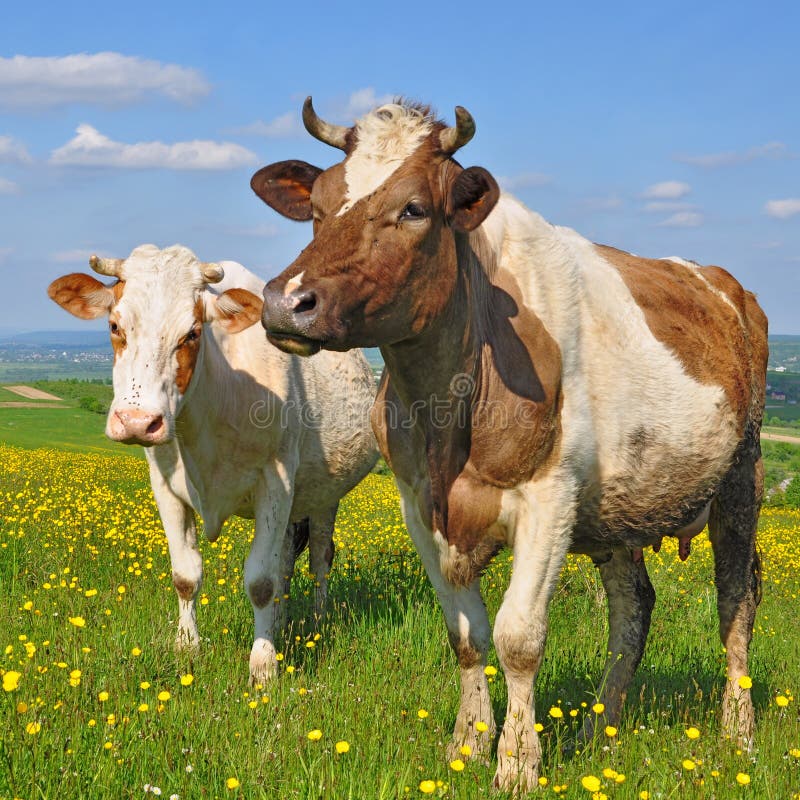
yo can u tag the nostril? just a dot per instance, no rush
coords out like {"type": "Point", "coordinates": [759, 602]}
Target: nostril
{"type": "Point", "coordinates": [305, 302]}
{"type": "Point", "coordinates": [156, 425]}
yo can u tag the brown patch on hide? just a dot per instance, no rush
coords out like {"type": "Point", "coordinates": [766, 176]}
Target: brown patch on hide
{"type": "Point", "coordinates": [261, 591]}
{"type": "Point", "coordinates": [684, 313]}
{"type": "Point", "coordinates": [185, 588]}
{"type": "Point", "coordinates": [188, 350]}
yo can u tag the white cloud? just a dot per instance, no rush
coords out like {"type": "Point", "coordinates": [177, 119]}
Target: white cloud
{"type": "Point", "coordinates": [771, 150]}
{"type": "Point", "coordinates": [666, 190]}
{"type": "Point", "coordinates": [71, 256]}
{"type": "Point", "coordinates": [8, 187]}
{"type": "Point", "coordinates": [285, 126]}
{"type": "Point", "coordinates": [611, 202]}
{"type": "Point", "coordinates": [90, 148]}
{"type": "Point", "coordinates": [525, 180]}
{"type": "Point", "coordinates": [14, 152]}
{"type": "Point", "coordinates": [106, 79]}
{"type": "Point", "coordinates": [683, 219]}
{"type": "Point", "coordinates": [667, 205]}
{"type": "Point", "coordinates": [783, 209]}
{"type": "Point", "coordinates": [363, 100]}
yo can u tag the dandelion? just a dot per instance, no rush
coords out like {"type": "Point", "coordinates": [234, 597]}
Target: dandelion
{"type": "Point", "coordinates": [591, 783]}
{"type": "Point", "coordinates": [598, 708]}
{"type": "Point", "coordinates": [481, 727]}
{"type": "Point", "coordinates": [422, 713]}
{"type": "Point", "coordinates": [78, 622]}
{"type": "Point", "coordinates": [315, 735]}
{"type": "Point", "coordinates": [32, 728]}
{"type": "Point", "coordinates": [745, 682]}
{"type": "Point", "coordinates": [187, 680]}
{"type": "Point", "coordinates": [782, 701]}
{"type": "Point", "coordinates": [144, 685]}
{"type": "Point", "coordinates": [136, 652]}
{"type": "Point", "coordinates": [556, 713]}
{"type": "Point", "coordinates": [688, 764]}
{"type": "Point", "coordinates": [427, 787]}
{"type": "Point", "coordinates": [543, 781]}
{"type": "Point", "coordinates": [310, 645]}
{"type": "Point", "coordinates": [164, 695]}
{"type": "Point", "coordinates": [342, 747]}
{"type": "Point", "coordinates": [232, 783]}
{"type": "Point", "coordinates": [457, 765]}
{"type": "Point", "coordinates": [465, 750]}
{"type": "Point", "coordinates": [693, 733]}
{"type": "Point", "coordinates": [490, 671]}
{"type": "Point", "coordinates": [644, 795]}
{"type": "Point", "coordinates": [102, 696]}
{"type": "Point", "coordinates": [11, 680]}
{"type": "Point", "coordinates": [143, 707]}
{"type": "Point", "coordinates": [610, 731]}
{"type": "Point", "coordinates": [22, 707]}
{"type": "Point", "coordinates": [742, 778]}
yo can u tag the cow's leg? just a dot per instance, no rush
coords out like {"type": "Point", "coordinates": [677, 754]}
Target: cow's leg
{"type": "Point", "coordinates": [295, 542]}
{"type": "Point", "coordinates": [468, 630]}
{"type": "Point", "coordinates": [630, 603]}
{"type": "Point", "coordinates": [541, 538]}
{"type": "Point", "coordinates": [732, 526]}
{"type": "Point", "coordinates": [320, 555]}
{"type": "Point", "coordinates": [263, 567]}
{"type": "Point", "coordinates": [187, 563]}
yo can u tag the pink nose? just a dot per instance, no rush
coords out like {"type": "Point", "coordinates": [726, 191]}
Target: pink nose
{"type": "Point", "coordinates": [130, 425]}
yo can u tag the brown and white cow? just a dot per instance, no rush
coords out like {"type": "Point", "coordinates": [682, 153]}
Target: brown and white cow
{"type": "Point", "coordinates": [231, 425]}
{"type": "Point", "coordinates": [541, 392]}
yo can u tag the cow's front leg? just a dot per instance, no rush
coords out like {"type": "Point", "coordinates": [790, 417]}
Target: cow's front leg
{"type": "Point", "coordinates": [187, 563]}
{"type": "Point", "coordinates": [541, 538]}
{"type": "Point", "coordinates": [469, 632]}
{"type": "Point", "coordinates": [262, 569]}
{"type": "Point", "coordinates": [630, 603]}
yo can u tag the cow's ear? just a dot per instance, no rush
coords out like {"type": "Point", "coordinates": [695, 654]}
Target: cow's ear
{"type": "Point", "coordinates": [473, 194]}
{"type": "Point", "coordinates": [82, 295]}
{"type": "Point", "coordinates": [286, 187]}
{"type": "Point", "coordinates": [236, 310]}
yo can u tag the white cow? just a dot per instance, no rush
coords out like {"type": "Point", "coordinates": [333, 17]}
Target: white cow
{"type": "Point", "coordinates": [231, 424]}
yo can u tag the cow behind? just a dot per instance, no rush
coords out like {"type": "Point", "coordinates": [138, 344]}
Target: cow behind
{"type": "Point", "coordinates": [541, 392]}
{"type": "Point", "coordinates": [230, 424]}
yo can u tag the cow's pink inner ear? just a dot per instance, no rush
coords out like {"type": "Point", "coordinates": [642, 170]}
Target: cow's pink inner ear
{"type": "Point", "coordinates": [472, 197]}
{"type": "Point", "coordinates": [82, 295]}
{"type": "Point", "coordinates": [286, 187]}
{"type": "Point", "coordinates": [237, 309]}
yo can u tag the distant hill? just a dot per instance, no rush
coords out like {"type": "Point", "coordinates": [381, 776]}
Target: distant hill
{"type": "Point", "coordinates": [784, 351]}
{"type": "Point", "coordinates": [67, 340]}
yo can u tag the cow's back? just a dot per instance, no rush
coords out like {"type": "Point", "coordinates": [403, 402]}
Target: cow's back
{"type": "Point", "coordinates": [663, 371]}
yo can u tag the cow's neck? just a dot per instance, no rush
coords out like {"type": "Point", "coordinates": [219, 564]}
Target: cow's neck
{"type": "Point", "coordinates": [482, 388]}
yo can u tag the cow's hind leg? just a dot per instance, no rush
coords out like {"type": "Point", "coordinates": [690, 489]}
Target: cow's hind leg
{"type": "Point", "coordinates": [320, 555]}
{"type": "Point", "coordinates": [630, 603]}
{"type": "Point", "coordinates": [732, 526]}
{"type": "Point", "coordinates": [469, 633]}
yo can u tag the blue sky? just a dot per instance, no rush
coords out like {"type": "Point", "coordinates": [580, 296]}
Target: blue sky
{"type": "Point", "coordinates": [662, 129]}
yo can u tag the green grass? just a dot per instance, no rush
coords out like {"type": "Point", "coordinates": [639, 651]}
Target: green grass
{"type": "Point", "coordinates": [77, 528]}
{"type": "Point", "coordinates": [72, 429]}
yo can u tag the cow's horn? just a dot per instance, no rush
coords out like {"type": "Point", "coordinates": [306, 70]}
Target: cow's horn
{"type": "Point", "coordinates": [212, 273]}
{"type": "Point", "coordinates": [106, 266]}
{"type": "Point", "coordinates": [450, 139]}
{"type": "Point", "coordinates": [334, 135]}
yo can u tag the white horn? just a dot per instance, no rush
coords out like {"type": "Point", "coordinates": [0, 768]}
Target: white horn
{"type": "Point", "coordinates": [450, 139]}
{"type": "Point", "coordinates": [212, 273]}
{"type": "Point", "coordinates": [106, 266]}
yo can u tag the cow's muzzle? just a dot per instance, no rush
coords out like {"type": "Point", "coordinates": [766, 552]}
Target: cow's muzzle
{"type": "Point", "coordinates": [289, 319]}
{"type": "Point", "coordinates": [134, 426]}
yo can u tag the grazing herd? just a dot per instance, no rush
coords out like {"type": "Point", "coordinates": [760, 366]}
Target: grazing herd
{"type": "Point", "coordinates": [541, 393]}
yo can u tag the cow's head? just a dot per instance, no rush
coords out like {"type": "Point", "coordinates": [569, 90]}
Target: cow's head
{"type": "Point", "coordinates": [382, 263]}
{"type": "Point", "coordinates": [156, 310]}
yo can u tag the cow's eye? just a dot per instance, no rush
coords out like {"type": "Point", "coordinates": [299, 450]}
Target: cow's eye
{"type": "Point", "coordinates": [114, 328]}
{"type": "Point", "coordinates": [193, 335]}
{"type": "Point", "coordinates": [413, 211]}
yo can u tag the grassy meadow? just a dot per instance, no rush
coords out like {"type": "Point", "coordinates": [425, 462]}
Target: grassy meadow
{"type": "Point", "coordinates": [97, 704]}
